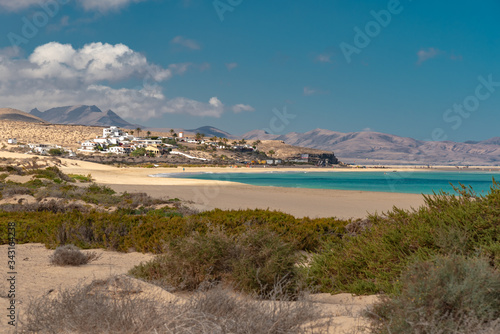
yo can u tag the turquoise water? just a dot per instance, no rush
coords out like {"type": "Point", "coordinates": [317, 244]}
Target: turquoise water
{"type": "Point", "coordinates": [398, 182]}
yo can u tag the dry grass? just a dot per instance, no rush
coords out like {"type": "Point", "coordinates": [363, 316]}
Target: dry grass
{"type": "Point", "coordinates": [118, 306]}
{"type": "Point", "coordinates": [70, 255]}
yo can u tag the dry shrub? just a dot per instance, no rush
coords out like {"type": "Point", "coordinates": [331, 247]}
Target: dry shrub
{"type": "Point", "coordinates": [451, 294]}
{"type": "Point", "coordinates": [115, 306]}
{"type": "Point", "coordinates": [70, 255]}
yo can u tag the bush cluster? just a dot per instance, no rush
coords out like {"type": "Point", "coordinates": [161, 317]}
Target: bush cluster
{"type": "Point", "coordinates": [372, 261]}
{"type": "Point", "coordinates": [257, 261]}
{"type": "Point", "coordinates": [449, 294]}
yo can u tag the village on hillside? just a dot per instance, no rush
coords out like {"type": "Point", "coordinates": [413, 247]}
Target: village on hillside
{"type": "Point", "coordinates": [193, 148]}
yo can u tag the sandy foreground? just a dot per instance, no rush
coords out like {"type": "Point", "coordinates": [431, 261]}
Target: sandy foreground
{"type": "Point", "coordinates": [36, 278]}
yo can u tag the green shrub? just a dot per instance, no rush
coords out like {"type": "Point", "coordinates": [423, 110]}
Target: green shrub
{"type": "Point", "coordinates": [264, 263]}
{"type": "Point", "coordinates": [256, 262]}
{"type": "Point", "coordinates": [81, 178]}
{"type": "Point", "coordinates": [372, 261]}
{"type": "Point", "coordinates": [447, 294]}
{"type": "Point", "coordinates": [56, 151]}
{"type": "Point", "coordinates": [190, 262]}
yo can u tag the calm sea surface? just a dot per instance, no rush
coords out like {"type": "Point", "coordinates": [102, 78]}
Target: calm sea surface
{"type": "Point", "coordinates": [399, 182]}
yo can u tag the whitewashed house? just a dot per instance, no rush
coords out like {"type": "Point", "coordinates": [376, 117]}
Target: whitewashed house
{"type": "Point", "coordinates": [113, 131]}
{"type": "Point", "coordinates": [88, 146]}
{"type": "Point", "coordinates": [12, 141]}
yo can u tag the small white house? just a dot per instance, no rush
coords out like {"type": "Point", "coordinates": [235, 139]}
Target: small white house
{"type": "Point", "coordinates": [113, 131]}
{"type": "Point", "coordinates": [12, 141]}
{"type": "Point", "coordinates": [117, 149]}
{"type": "Point", "coordinates": [88, 145]}
{"type": "Point", "coordinates": [41, 150]}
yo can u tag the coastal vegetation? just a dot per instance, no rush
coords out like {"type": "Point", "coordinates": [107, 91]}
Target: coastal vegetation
{"type": "Point", "coordinates": [437, 266]}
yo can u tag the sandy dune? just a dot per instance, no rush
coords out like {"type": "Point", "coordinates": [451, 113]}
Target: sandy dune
{"type": "Point", "coordinates": [36, 277]}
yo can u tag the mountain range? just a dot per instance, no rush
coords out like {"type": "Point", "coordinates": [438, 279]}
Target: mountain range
{"type": "Point", "coordinates": [365, 147]}
{"type": "Point", "coordinates": [10, 114]}
{"type": "Point", "coordinates": [374, 147]}
{"type": "Point", "coordinates": [82, 115]}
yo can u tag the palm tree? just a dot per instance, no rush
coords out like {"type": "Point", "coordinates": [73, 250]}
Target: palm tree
{"type": "Point", "coordinates": [243, 142]}
{"type": "Point", "coordinates": [255, 143]}
{"type": "Point", "coordinates": [225, 140]}
{"type": "Point", "coordinates": [172, 132]}
{"type": "Point", "coordinates": [271, 152]}
{"type": "Point", "coordinates": [131, 132]}
{"type": "Point", "coordinates": [148, 133]}
{"type": "Point", "coordinates": [213, 139]}
{"type": "Point", "coordinates": [138, 131]}
{"type": "Point", "coordinates": [197, 136]}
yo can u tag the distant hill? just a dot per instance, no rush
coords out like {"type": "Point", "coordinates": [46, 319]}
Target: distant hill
{"type": "Point", "coordinates": [374, 147]}
{"type": "Point", "coordinates": [210, 131]}
{"type": "Point", "coordinates": [10, 114]}
{"type": "Point", "coordinates": [83, 115]}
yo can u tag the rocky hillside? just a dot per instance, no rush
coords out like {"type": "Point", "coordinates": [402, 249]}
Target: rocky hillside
{"type": "Point", "coordinates": [82, 115]}
{"type": "Point", "coordinates": [9, 114]}
{"type": "Point", "coordinates": [374, 147]}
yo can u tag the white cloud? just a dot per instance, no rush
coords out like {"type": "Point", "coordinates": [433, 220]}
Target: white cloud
{"type": "Point", "coordinates": [429, 53]}
{"type": "Point", "coordinates": [309, 91]}
{"type": "Point", "coordinates": [324, 58]}
{"type": "Point", "coordinates": [187, 43]}
{"type": "Point", "coordinates": [231, 66]}
{"type": "Point", "coordinates": [13, 5]}
{"type": "Point", "coordinates": [90, 5]}
{"type": "Point", "coordinates": [242, 107]}
{"type": "Point", "coordinates": [106, 5]}
{"type": "Point", "coordinates": [57, 74]}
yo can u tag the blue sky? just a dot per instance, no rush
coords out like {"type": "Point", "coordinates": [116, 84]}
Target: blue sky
{"type": "Point", "coordinates": [422, 69]}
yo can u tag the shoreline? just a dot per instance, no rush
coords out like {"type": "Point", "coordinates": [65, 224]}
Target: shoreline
{"type": "Point", "coordinates": [210, 194]}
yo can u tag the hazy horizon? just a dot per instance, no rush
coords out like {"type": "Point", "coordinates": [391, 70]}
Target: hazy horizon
{"type": "Point", "coordinates": [423, 70]}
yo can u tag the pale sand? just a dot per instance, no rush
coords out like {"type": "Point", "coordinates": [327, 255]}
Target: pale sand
{"type": "Point", "coordinates": [207, 194]}
{"type": "Point", "coordinates": [36, 277]}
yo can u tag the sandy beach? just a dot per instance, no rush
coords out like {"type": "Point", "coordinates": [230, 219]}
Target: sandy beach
{"type": "Point", "coordinates": [208, 194]}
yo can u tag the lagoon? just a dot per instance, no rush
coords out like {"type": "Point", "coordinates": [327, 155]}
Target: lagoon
{"type": "Point", "coordinates": [415, 182]}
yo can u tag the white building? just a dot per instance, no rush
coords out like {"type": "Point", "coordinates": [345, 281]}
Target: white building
{"type": "Point", "coordinates": [118, 150]}
{"type": "Point", "coordinates": [146, 142]}
{"type": "Point", "coordinates": [88, 146]}
{"type": "Point", "coordinates": [113, 131]}
{"type": "Point", "coordinates": [12, 141]}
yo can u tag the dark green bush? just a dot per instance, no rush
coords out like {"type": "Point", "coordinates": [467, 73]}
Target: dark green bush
{"type": "Point", "coordinates": [448, 224]}
{"type": "Point", "coordinates": [256, 262]}
{"type": "Point", "coordinates": [264, 263]}
{"type": "Point", "coordinates": [446, 295]}
{"type": "Point", "coordinates": [191, 262]}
